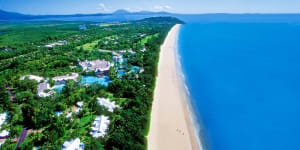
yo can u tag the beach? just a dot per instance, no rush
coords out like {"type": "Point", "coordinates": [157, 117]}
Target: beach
{"type": "Point", "coordinates": [171, 127]}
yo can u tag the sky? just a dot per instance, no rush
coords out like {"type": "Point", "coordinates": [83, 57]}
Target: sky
{"type": "Point", "coordinates": [42, 7]}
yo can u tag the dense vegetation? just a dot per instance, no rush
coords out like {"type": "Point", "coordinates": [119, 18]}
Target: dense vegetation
{"type": "Point", "coordinates": [23, 52]}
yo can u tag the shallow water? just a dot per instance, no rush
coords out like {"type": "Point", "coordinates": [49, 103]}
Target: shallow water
{"type": "Point", "coordinates": [244, 80]}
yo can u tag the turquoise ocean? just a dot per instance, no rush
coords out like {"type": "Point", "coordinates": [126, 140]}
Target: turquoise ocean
{"type": "Point", "coordinates": [243, 80]}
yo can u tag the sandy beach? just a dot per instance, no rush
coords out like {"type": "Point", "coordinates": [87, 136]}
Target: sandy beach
{"type": "Point", "coordinates": [171, 127]}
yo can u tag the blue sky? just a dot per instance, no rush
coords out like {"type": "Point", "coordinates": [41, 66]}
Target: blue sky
{"type": "Point", "coordinates": [179, 6]}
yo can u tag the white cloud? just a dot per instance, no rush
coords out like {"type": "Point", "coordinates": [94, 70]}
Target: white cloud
{"type": "Point", "coordinates": [102, 7]}
{"type": "Point", "coordinates": [162, 7]}
{"type": "Point", "coordinates": [168, 7]}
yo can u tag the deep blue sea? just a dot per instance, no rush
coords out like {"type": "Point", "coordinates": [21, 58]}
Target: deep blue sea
{"type": "Point", "coordinates": [244, 81]}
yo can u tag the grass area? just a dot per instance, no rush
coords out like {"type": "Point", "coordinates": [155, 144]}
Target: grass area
{"type": "Point", "coordinates": [145, 40]}
{"type": "Point", "coordinates": [111, 24]}
{"type": "Point", "coordinates": [89, 46]}
{"type": "Point", "coordinates": [22, 32]}
{"type": "Point", "coordinates": [86, 119]}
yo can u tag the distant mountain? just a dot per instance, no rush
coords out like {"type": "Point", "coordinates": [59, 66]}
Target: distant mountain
{"type": "Point", "coordinates": [124, 15]}
{"type": "Point", "coordinates": [125, 12]}
{"type": "Point", "coordinates": [12, 16]}
{"type": "Point", "coordinates": [121, 12]}
{"type": "Point", "coordinates": [4, 15]}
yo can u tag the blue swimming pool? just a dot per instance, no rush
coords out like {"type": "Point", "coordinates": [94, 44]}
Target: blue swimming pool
{"type": "Point", "coordinates": [135, 69]}
{"type": "Point", "coordinates": [121, 72]}
{"type": "Point", "coordinates": [58, 88]}
{"type": "Point", "coordinates": [91, 79]}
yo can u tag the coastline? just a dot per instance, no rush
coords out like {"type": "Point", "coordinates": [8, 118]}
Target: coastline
{"type": "Point", "coordinates": [171, 125]}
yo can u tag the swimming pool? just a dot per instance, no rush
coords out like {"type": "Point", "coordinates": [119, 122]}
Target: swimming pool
{"type": "Point", "coordinates": [58, 88]}
{"type": "Point", "coordinates": [92, 79]}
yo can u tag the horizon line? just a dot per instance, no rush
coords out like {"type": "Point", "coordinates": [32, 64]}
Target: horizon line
{"type": "Point", "coordinates": [109, 13]}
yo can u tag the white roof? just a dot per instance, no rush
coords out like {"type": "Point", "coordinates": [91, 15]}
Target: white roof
{"type": "Point", "coordinates": [107, 104]}
{"type": "Point", "coordinates": [73, 145]}
{"type": "Point", "coordinates": [43, 86]}
{"type": "Point", "coordinates": [58, 113]}
{"type": "Point", "coordinates": [4, 133]}
{"type": "Point", "coordinates": [97, 65]}
{"type": "Point", "coordinates": [69, 115]}
{"type": "Point", "coordinates": [74, 76]}
{"type": "Point", "coordinates": [100, 126]}
{"type": "Point", "coordinates": [32, 77]}
{"type": "Point", "coordinates": [1, 143]}
{"type": "Point", "coordinates": [80, 104]}
{"type": "Point", "coordinates": [3, 117]}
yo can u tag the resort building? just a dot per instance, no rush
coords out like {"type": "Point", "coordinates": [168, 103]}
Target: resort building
{"type": "Point", "coordinates": [107, 104]}
{"type": "Point", "coordinates": [59, 43]}
{"type": "Point", "coordinates": [129, 51]}
{"type": "Point", "coordinates": [63, 79]}
{"type": "Point", "coordinates": [73, 145]}
{"type": "Point", "coordinates": [41, 89]}
{"type": "Point", "coordinates": [32, 77]}
{"type": "Point", "coordinates": [2, 142]}
{"type": "Point", "coordinates": [3, 133]}
{"type": "Point", "coordinates": [100, 126]}
{"type": "Point", "coordinates": [69, 115]}
{"type": "Point", "coordinates": [46, 86]}
{"type": "Point", "coordinates": [99, 66]}
{"type": "Point", "coordinates": [58, 113]}
{"type": "Point", "coordinates": [143, 50]}
{"type": "Point", "coordinates": [80, 104]}
{"type": "Point", "coordinates": [118, 58]}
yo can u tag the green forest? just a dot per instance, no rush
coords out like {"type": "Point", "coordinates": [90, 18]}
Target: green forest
{"type": "Point", "coordinates": [53, 48]}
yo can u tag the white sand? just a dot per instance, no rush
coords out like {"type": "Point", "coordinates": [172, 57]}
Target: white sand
{"type": "Point", "coordinates": [171, 127]}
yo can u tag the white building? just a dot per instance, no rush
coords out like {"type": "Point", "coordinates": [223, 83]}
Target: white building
{"type": "Point", "coordinates": [46, 86]}
{"type": "Point", "coordinates": [41, 89]}
{"type": "Point", "coordinates": [32, 77]}
{"type": "Point", "coordinates": [100, 126]}
{"type": "Point", "coordinates": [1, 143]}
{"type": "Point", "coordinates": [96, 65]}
{"type": "Point", "coordinates": [143, 50]}
{"type": "Point", "coordinates": [73, 76]}
{"type": "Point", "coordinates": [3, 133]}
{"type": "Point", "coordinates": [129, 51]}
{"type": "Point", "coordinates": [107, 104]}
{"type": "Point", "coordinates": [69, 115]}
{"type": "Point", "coordinates": [59, 43]}
{"type": "Point", "coordinates": [58, 113]}
{"type": "Point", "coordinates": [73, 145]}
{"type": "Point", "coordinates": [118, 58]}
{"type": "Point", "coordinates": [80, 104]}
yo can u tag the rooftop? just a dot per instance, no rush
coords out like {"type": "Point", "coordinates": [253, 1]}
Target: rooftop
{"type": "Point", "coordinates": [32, 77]}
{"type": "Point", "coordinates": [3, 117]}
{"type": "Point", "coordinates": [100, 126]}
{"type": "Point", "coordinates": [73, 145]}
{"type": "Point", "coordinates": [107, 104]}
{"type": "Point", "coordinates": [73, 76]}
{"type": "Point", "coordinates": [96, 65]}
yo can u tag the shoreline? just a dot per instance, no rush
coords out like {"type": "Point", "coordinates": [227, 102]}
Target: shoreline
{"type": "Point", "coordinates": [172, 125]}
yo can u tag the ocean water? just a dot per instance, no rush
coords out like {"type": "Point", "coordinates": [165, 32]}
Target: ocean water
{"type": "Point", "coordinates": [244, 83]}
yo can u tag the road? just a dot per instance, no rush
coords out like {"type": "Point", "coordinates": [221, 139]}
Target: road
{"type": "Point", "coordinates": [22, 138]}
